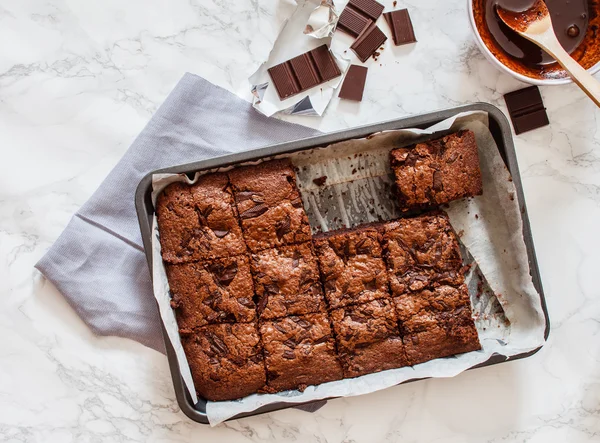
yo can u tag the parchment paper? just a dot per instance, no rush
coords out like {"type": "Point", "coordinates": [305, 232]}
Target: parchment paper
{"type": "Point", "coordinates": [506, 306]}
{"type": "Point", "coordinates": [319, 19]}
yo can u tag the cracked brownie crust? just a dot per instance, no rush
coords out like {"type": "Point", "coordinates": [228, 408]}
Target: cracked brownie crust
{"type": "Point", "coordinates": [198, 222]}
{"type": "Point", "coordinates": [351, 265]}
{"type": "Point", "coordinates": [226, 360]}
{"type": "Point", "coordinates": [269, 205]}
{"type": "Point", "coordinates": [287, 282]}
{"type": "Point", "coordinates": [437, 171]}
{"type": "Point", "coordinates": [368, 338]}
{"type": "Point", "coordinates": [219, 291]}
{"type": "Point", "coordinates": [299, 351]}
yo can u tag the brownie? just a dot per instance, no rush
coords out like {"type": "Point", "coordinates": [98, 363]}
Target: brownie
{"type": "Point", "coordinates": [351, 265]}
{"type": "Point", "coordinates": [299, 351]}
{"type": "Point", "coordinates": [437, 171]}
{"type": "Point", "coordinates": [226, 360]}
{"type": "Point", "coordinates": [368, 339]}
{"type": "Point", "coordinates": [420, 252]}
{"type": "Point", "coordinates": [436, 323]}
{"type": "Point", "coordinates": [287, 282]}
{"type": "Point", "coordinates": [219, 291]}
{"type": "Point", "coordinates": [198, 222]}
{"type": "Point", "coordinates": [269, 205]}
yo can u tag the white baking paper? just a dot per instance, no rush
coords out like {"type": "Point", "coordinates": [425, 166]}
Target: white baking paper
{"type": "Point", "coordinates": [507, 308]}
{"type": "Point", "coordinates": [291, 42]}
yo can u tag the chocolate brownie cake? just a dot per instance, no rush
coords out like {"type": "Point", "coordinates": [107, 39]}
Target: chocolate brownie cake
{"type": "Point", "coordinates": [226, 360]}
{"type": "Point", "coordinates": [299, 351]}
{"type": "Point", "coordinates": [269, 205]}
{"type": "Point", "coordinates": [351, 265]}
{"type": "Point", "coordinates": [287, 282]}
{"type": "Point", "coordinates": [198, 222]}
{"type": "Point", "coordinates": [219, 291]}
{"type": "Point", "coordinates": [421, 252]}
{"type": "Point", "coordinates": [368, 338]}
{"type": "Point", "coordinates": [437, 171]}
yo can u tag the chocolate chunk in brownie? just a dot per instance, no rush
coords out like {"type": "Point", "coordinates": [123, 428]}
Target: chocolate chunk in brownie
{"type": "Point", "coordinates": [453, 333]}
{"type": "Point", "coordinates": [351, 265]}
{"type": "Point", "coordinates": [226, 360]}
{"type": "Point", "coordinates": [368, 338]}
{"type": "Point", "coordinates": [421, 252]}
{"type": "Point", "coordinates": [299, 351]}
{"type": "Point", "coordinates": [437, 171]}
{"type": "Point", "coordinates": [287, 282]}
{"type": "Point", "coordinates": [269, 205]}
{"type": "Point", "coordinates": [198, 222]}
{"type": "Point", "coordinates": [217, 291]}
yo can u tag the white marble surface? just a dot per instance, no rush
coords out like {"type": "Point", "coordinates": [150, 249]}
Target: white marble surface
{"type": "Point", "coordinates": [80, 78]}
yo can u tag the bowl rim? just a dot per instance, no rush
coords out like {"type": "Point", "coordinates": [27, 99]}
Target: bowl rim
{"type": "Point", "coordinates": [502, 67]}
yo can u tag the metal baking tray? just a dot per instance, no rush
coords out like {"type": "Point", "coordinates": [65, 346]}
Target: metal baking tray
{"type": "Point", "coordinates": [501, 131]}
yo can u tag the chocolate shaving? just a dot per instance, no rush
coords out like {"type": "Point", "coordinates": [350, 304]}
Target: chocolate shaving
{"type": "Point", "coordinates": [289, 355]}
{"type": "Point", "coordinates": [224, 274]}
{"type": "Point", "coordinates": [282, 227]}
{"type": "Point", "coordinates": [438, 185]}
{"type": "Point", "coordinates": [216, 344]}
{"type": "Point", "coordinates": [220, 233]}
{"type": "Point", "coordinates": [262, 303]}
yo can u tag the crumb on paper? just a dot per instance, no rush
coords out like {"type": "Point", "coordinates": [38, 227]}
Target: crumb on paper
{"type": "Point", "coordinates": [354, 171]}
{"type": "Point", "coordinates": [394, 3]}
{"type": "Point", "coordinates": [461, 233]}
{"type": "Point", "coordinates": [511, 196]}
{"type": "Point", "coordinates": [320, 181]}
{"type": "Point", "coordinates": [476, 216]}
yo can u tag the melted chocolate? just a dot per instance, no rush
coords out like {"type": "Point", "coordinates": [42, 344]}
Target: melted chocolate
{"type": "Point", "coordinates": [569, 19]}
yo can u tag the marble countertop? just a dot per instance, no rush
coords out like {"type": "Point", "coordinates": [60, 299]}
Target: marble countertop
{"type": "Point", "coordinates": [78, 81]}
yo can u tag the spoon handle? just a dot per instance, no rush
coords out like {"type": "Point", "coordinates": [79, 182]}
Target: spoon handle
{"type": "Point", "coordinates": [584, 79]}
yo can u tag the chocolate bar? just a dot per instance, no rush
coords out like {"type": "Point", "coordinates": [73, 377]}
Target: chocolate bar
{"type": "Point", "coordinates": [526, 109]}
{"type": "Point", "coordinates": [401, 26]}
{"type": "Point", "coordinates": [354, 83]}
{"type": "Point", "coordinates": [357, 15]}
{"type": "Point", "coordinates": [368, 42]}
{"type": "Point", "coordinates": [304, 72]}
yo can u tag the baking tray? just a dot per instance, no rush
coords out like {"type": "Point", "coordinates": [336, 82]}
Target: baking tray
{"type": "Point", "coordinates": [500, 129]}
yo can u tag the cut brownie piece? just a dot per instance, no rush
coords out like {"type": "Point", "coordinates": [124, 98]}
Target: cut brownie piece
{"type": "Point", "coordinates": [198, 222]}
{"type": "Point", "coordinates": [299, 351]}
{"type": "Point", "coordinates": [368, 338]}
{"type": "Point", "coordinates": [269, 205]}
{"type": "Point", "coordinates": [287, 282]}
{"type": "Point", "coordinates": [220, 291]}
{"type": "Point", "coordinates": [226, 360]}
{"type": "Point", "coordinates": [351, 265]}
{"type": "Point", "coordinates": [421, 252]}
{"type": "Point", "coordinates": [455, 333]}
{"type": "Point", "coordinates": [437, 171]}
{"type": "Point", "coordinates": [436, 323]}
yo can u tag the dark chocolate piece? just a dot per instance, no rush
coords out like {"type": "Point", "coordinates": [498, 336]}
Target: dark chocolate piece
{"type": "Point", "coordinates": [526, 109]}
{"type": "Point", "coordinates": [368, 42]}
{"type": "Point", "coordinates": [354, 83]}
{"type": "Point", "coordinates": [369, 8]}
{"type": "Point", "coordinates": [304, 72]}
{"type": "Point", "coordinates": [357, 15]}
{"type": "Point", "coordinates": [401, 26]}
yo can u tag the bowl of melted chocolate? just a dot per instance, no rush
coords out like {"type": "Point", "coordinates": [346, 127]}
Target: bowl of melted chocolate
{"type": "Point", "coordinates": [577, 25]}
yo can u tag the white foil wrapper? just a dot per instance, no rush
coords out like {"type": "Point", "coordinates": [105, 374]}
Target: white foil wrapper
{"type": "Point", "coordinates": [507, 308]}
{"type": "Point", "coordinates": [293, 41]}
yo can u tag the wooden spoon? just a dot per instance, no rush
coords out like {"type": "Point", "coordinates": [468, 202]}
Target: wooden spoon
{"type": "Point", "coordinates": [534, 24]}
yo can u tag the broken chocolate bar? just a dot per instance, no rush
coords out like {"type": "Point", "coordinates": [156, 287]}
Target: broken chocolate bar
{"type": "Point", "coordinates": [526, 109]}
{"type": "Point", "coordinates": [304, 72]}
{"type": "Point", "coordinates": [401, 26]}
{"type": "Point", "coordinates": [357, 15]}
{"type": "Point", "coordinates": [368, 42]}
{"type": "Point", "coordinates": [354, 83]}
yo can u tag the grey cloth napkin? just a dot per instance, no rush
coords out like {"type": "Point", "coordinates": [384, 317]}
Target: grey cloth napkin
{"type": "Point", "coordinates": [98, 262]}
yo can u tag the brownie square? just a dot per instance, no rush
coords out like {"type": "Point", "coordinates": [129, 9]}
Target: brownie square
{"type": "Point", "coordinates": [368, 339]}
{"type": "Point", "coordinates": [198, 222]}
{"type": "Point", "coordinates": [299, 351]}
{"type": "Point", "coordinates": [351, 265]}
{"type": "Point", "coordinates": [437, 171]}
{"type": "Point", "coordinates": [421, 252]}
{"type": "Point", "coordinates": [219, 291]}
{"type": "Point", "coordinates": [269, 205]}
{"type": "Point", "coordinates": [287, 282]}
{"type": "Point", "coordinates": [436, 323]}
{"type": "Point", "coordinates": [226, 360]}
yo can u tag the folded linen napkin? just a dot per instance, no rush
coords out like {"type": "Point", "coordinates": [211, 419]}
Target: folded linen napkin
{"type": "Point", "coordinates": [98, 262]}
